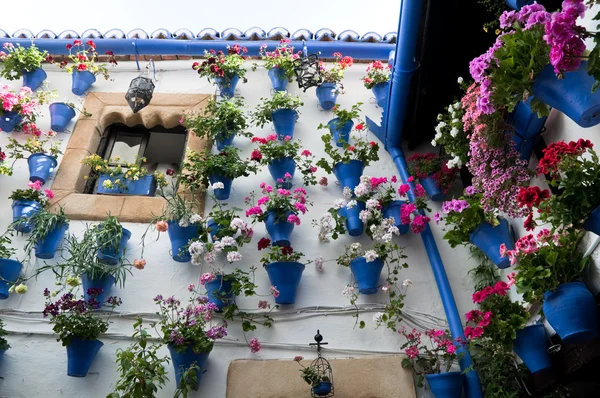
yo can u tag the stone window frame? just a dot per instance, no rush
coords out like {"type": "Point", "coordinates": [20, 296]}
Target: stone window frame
{"type": "Point", "coordinates": [106, 109]}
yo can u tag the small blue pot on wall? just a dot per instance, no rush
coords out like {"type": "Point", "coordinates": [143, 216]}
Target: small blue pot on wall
{"type": "Point", "coordinates": [393, 210]}
{"type": "Point", "coordinates": [327, 94]}
{"type": "Point", "coordinates": [348, 174]}
{"type": "Point", "coordinates": [145, 186]}
{"type": "Point", "coordinates": [531, 345]}
{"type": "Point", "coordinates": [80, 355]}
{"type": "Point", "coordinates": [527, 128]}
{"type": "Point", "coordinates": [285, 276]}
{"type": "Point", "coordinates": [432, 189]}
{"type": "Point", "coordinates": [279, 230]}
{"type": "Point", "coordinates": [380, 91]}
{"type": "Point", "coordinates": [105, 282]}
{"type": "Point", "coordinates": [219, 292]}
{"type": "Point", "coordinates": [221, 193]}
{"type": "Point", "coordinates": [278, 169]}
{"type": "Point", "coordinates": [22, 209]}
{"type": "Point", "coordinates": [518, 4]}
{"type": "Point", "coordinates": [341, 134]}
{"type": "Point", "coordinates": [46, 248]}
{"type": "Point", "coordinates": [183, 360]}
{"type": "Point", "coordinates": [366, 274]}
{"type": "Point", "coordinates": [224, 140]}
{"type": "Point", "coordinates": [284, 121]}
{"type": "Point", "coordinates": [60, 115]}
{"type": "Point", "coordinates": [489, 238]}
{"type": "Point", "coordinates": [9, 121]}
{"type": "Point", "coordinates": [40, 167]}
{"type": "Point", "coordinates": [9, 273]}
{"type": "Point", "coordinates": [111, 255]}
{"type": "Point", "coordinates": [278, 79]}
{"type": "Point", "coordinates": [227, 85]}
{"type": "Point", "coordinates": [34, 79]}
{"type": "Point", "coordinates": [592, 224]}
{"type": "Point", "coordinates": [354, 224]}
{"type": "Point", "coordinates": [446, 385]}
{"type": "Point", "coordinates": [180, 237]}
{"type": "Point", "coordinates": [81, 81]}
{"type": "Point", "coordinates": [322, 389]}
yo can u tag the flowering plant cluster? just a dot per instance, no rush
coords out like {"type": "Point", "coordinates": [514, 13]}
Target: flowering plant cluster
{"type": "Point", "coordinates": [33, 145]}
{"type": "Point", "coordinates": [4, 167]}
{"type": "Point", "coordinates": [18, 60]}
{"type": "Point", "coordinates": [377, 73]}
{"type": "Point", "coordinates": [34, 192]}
{"type": "Point", "coordinates": [25, 104]}
{"type": "Point", "coordinates": [283, 203]}
{"type": "Point", "coordinates": [219, 120]}
{"type": "Point", "coordinates": [343, 116]}
{"type": "Point", "coordinates": [118, 172]}
{"type": "Point", "coordinates": [336, 73]}
{"type": "Point", "coordinates": [270, 149]}
{"type": "Point", "coordinates": [277, 254]}
{"type": "Point", "coordinates": [263, 112]}
{"type": "Point", "coordinates": [450, 134]}
{"type": "Point", "coordinates": [311, 374]}
{"type": "Point", "coordinates": [221, 65]}
{"type": "Point", "coordinates": [361, 150]}
{"type": "Point", "coordinates": [282, 57]}
{"type": "Point", "coordinates": [423, 165]}
{"type": "Point", "coordinates": [84, 57]}
{"type": "Point", "coordinates": [429, 360]}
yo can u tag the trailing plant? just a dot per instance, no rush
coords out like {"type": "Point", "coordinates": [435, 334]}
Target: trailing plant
{"type": "Point", "coordinates": [219, 120]}
{"type": "Point", "coordinates": [278, 254]}
{"type": "Point", "coordinates": [219, 64]}
{"type": "Point", "coordinates": [26, 105]}
{"type": "Point", "coordinates": [485, 273]}
{"type": "Point", "coordinates": [311, 374]}
{"type": "Point", "coordinates": [84, 58]}
{"type": "Point", "coordinates": [42, 223]}
{"type": "Point", "coordinates": [34, 145]}
{"type": "Point", "coordinates": [361, 150]}
{"type": "Point", "coordinates": [108, 233]}
{"type": "Point", "coordinates": [336, 73]}
{"type": "Point", "coordinates": [285, 204]}
{"type": "Point", "coordinates": [120, 173]}
{"type": "Point", "coordinates": [3, 342]}
{"type": "Point", "coordinates": [282, 57]}
{"type": "Point", "coordinates": [377, 73]}
{"type": "Point", "coordinates": [345, 116]}
{"type": "Point", "coordinates": [4, 167]}
{"type": "Point", "coordinates": [34, 193]}
{"type": "Point", "coordinates": [6, 250]}
{"type": "Point", "coordinates": [280, 100]}
{"type": "Point", "coordinates": [18, 60]}
{"type": "Point", "coordinates": [498, 370]}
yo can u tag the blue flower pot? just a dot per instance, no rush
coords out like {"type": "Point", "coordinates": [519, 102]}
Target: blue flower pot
{"type": "Point", "coordinates": [9, 273]}
{"type": "Point", "coordinates": [105, 283]}
{"type": "Point", "coordinates": [227, 85]}
{"type": "Point", "coordinates": [80, 355]}
{"type": "Point", "coordinates": [213, 227]}
{"type": "Point", "coordinates": [571, 311]}
{"type": "Point", "coordinates": [145, 186]}
{"type": "Point", "coordinates": [380, 91]}
{"type": "Point", "coordinates": [183, 360]}
{"type": "Point", "coordinates": [110, 255]}
{"type": "Point", "coordinates": [518, 4]}
{"type": "Point", "coordinates": [40, 166]}
{"type": "Point", "coordinates": [82, 81]}
{"type": "Point", "coordinates": [22, 209]}
{"type": "Point", "coordinates": [221, 194]}
{"type": "Point", "coordinates": [322, 389]}
{"type": "Point", "coordinates": [285, 276]}
{"type": "Point", "coordinates": [341, 134]}
{"type": "Point", "coordinates": [354, 224]}
{"type": "Point", "coordinates": [446, 385]}
{"type": "Point", "coordinates": [34, 79]}
{"type": "Point", "coordinates": [9, 121]}
{"type": "Point", "coordinates": [366, 274]}
{"type": "Point", "coordinates": [279, 167]}
{"type": "Point", "coordinates": [180, 236]}
{"type": "Point", "coordinates": [2, 352]}
{"type": "Point", "coordinates": [488, 239]}
{"type": "Point", "coordinates": [284, 121]}
{"type": "Point", "coordinates": [278, 79]}
{"type": "Point", "coordinates": [592, 224]}
{"type": "Point", "coordinates": [572, 95]}
{"type": "Point", "coordinates": [531, 345]}
{"type": "Point", "coordinates": [60, 115]}
{"type": "Point", "coordinates": [433, 191]}
{"type": "Point", "coordinates": [393, 210]}
{"type": "Point", "coordinates": [224, 140]}
{"type": "Point", "coordinates": [46, 248]}
{"type": "Point", "coordinates": [278, 230]}
{"type": "Point", "coordinates": [348, 174]}
{"type": "Point", "coordinates": [327, 94]}
{"type": "Point", "coordinates": [527, 128]}
{"type": "Point", "coordinates": [219, 292]}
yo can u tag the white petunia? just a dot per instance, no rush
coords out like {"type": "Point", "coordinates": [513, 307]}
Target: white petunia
{"type": "Point", "coordinates": [433, 143]}
{"type": "Point", "coordinates": [454, 132]}
{"type": "Point", "coordinates": [437, 136]}
{"type": "Point", "coordinates": [460, 80]}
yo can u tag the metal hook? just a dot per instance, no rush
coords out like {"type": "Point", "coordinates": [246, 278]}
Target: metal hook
{"type": "Point", "coordinates": [151, 61]}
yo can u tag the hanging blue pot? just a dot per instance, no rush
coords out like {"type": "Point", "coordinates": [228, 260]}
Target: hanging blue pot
{"type": "Point", "coordinates": [80, 355]}
{"type": "Point", "coordinates": [2, 352]}
{"type": "Point", "coordinates": [9, 273]}
{"type": "Point", "coordinates": [572, 95]}
{"type": "Point", "coordinates": [213, 228]}
{"type": "Point", "coordinates": [354, 224]}
{"type": "Point", "coordinates": [284, 121]}
{"type": "Point", "coordinates": [82, 81]}
{"type": "Point", "coordinates": [60, 115]}
{"type": "Point", "coordinates": [104, 282]}
{"type": "Point", "coordinates": [278, 168]}
{"type": "Point", "coordinates": [47, 247]}
{"type": "Point", "coordinates": [110, 255]}
{"type": "Point", "coordinates": [518, 4]}
{"type": "Point", "coordinates": [22, 209]}
{"type": "Point", "coordinates": [278, 79]}
{"type": "Point", "coordinates": [322, 389]}
{"type": "Point", "coordinates": [285, 276]}
{"type": "Point", "coordinates": [531, 345]}
{"type": "Point", "coordinates": [327, 95]}
{"type": "Point", "coordinates": [446, 385]}
{"type": "Point", "coordinates": [34, 79]}
{"type": "Point", "coordinates": [227, 85]}
{"type": "Point", "coordinates": [527, 128]}
{"type": "Point", "coordinates": [348, 174]}
{"type": "Point", "coordinates": [341, 134]}
{"type": "Point", "coordinates": [224, 140]}
{"type": "Point", "coordinates": [366, 274]}
{"type": "Point", "coordinates": [489, 238]}
{"type": "Point", "coordinates": [9, 121]}
{"type": "Point", "coordinates": [219, 292]}
{"type": "Point", "coordinates": [183, 360]}
{"type": "Point", "coordinates": [592, 224]}
{"type": "Point", "coordinates": [393, 210]}
{"type": "Point", "coordinates": [278, 230]}
{"type": "Point", "coordinates": [145, 186]}
{"type": "Point", "coordinates": [380, 91]}
{"type": "Point", "coordinates": [221, 193]}
{"type": "Point", "coordinates": [571, 311]}
{"type": "Point", "coordinates": [179, 237]}
{"type": "Point", "coordinates": [40, 166]}
{"type": "Point", "coordinates": [432, 189]}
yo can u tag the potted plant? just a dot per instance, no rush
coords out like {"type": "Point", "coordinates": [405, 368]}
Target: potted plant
{"type": "Point", "coordinates": [349, 163]}
{"type": "Point", "coordinates": [118, 178]}
{"type": "Point", "coordinates": [280, 63]}
{"type": "Point", "coordinates": [61, 113]}
{"type": "Point", "coordinates": [225, 69]}
{"type": "Point", "coordinates": [377, 80]}
{"type": "Point", "coordinates": [78, 327]}
{"type": "Point", "coordinates": [23, 61]}
{"type": "Point", "coordinates": [341, 126]}
{"type": "Point", "coordinates": [451, 135]}
{"type": "Point", "coordinates": [282, 110]}
{"type": "Point", "coordinates": [42, 153]}
{"type": "Point", "coordinates": [3, 342]}
{"type": "Point", "coordinates": [282, 160]}
{"type": "Point", "coordinates": [85, 69]}
{"type": "Point", "coordinates": [47, 232]}
{"type": "Point", "coordinates": [19, 110]}
{"type": "Point", "coordinates": [10, 270]}
{"type": "Point", "coordinates": [222, 289]}
{"type": "Point", "coordinates": [284, 270]}
{"type": "Point", "coordinates": [433, 173]}
{"type": "Point", "coordinates": [26, 202]}
{"type": "Point", "coordinates": [278, 208]}
{"type": "Point", "coordinates": [142, 371]}
{"type": "Point", "coordinates": [329, 80]}
{"type": "Point", "coordinates": [319, 381]}
{"type": "Point", "coordinates": [188, 334]}
{"type": "Point", "coordinates": [433, 363]}
{"type": "Point", "coordinates": [111, 239]}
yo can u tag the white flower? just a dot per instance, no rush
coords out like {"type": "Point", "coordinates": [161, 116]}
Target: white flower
{"type": "Point", "coordinates": [228, 241]}
{"type": "Point", "coordinates": [218, 246]}
{"type": "Point", "coordinates": [197, 260]}
{"type": "Point", "coordinates": [386, 238]}
{"type": "Point", "coordinates": [377, 317]}
{"type": "Point", "coordinates": [237, 223]}
{"type": "Point", "coordinates": [438, 135]}
{"type": "Point", "coordinates": [184, 223]}
{"type": "Point", "coordinates": [454, 132]}
{"type": "Point", "coordinates": [364, 215]}
{"type": "Point", "coordinates": [210, 257]}
{"type": "Point", "coordinates": [195, 219]}
{"type": "Point", "coordinates": [460, 80]}
{"type": "Point", "coordinates": [355, 247]}
{"type": "Point", "coordinates": [407, 283]}
{"type": "Point", "coordinates": [394, 229]}
{"type": "Point", "coordinates": [370, 255]}
{"type": "Point", "coordinates": [319, 264]}
{"type": "Point", "coordinates": [361, 189]}
{"type": "Point", "coordinates": [234, 256]}
{"type": "Point", "coordinates": [433, 143]}
{"type": "Point", "coordinates": [457, 105]}
{"type": "Point", "coordinates": [351, 204]}
{"type": "Point", "coordinates": [218, 185]}
{"type": "Point", "coordinates": [455, 121]}
{"type": "Point", "coordinates": [372, 204]}
{"type": "Point", "coordinates": [21, 289]}
{"type": "Point", "coordinates": [347, 193]}
{"type": "Point", "coordinates": [385, 288]}
{"type": "Point", "coordinates": [440, 116]}
{"type": "Point", "coordinates": [348, 291]}
{"type": "Point", "coordinates": [441, 124]}
{"type": "Point", "coordinates": [365, 180]}
{"type": "Point", "coordinates": [438, 130]}
{"type": "Point", "coordinates": [196, 248]}
{"type": "Point", "coordinates": [338, 204]}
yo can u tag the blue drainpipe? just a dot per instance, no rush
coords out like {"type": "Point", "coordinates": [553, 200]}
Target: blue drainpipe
{"type": "Point", "coordinates": [404, 66]}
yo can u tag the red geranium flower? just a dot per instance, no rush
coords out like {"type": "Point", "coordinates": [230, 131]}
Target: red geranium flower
{"type": "Point", "coordinates": [263, 243]}
{"type": "Point", "coordinates": [287, 250]}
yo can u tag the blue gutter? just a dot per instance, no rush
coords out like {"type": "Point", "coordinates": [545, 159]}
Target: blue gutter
{"type": "Point", "coordinates": [404, 67]}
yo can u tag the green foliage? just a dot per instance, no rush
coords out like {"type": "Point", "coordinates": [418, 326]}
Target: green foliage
{"type": "Point", "coordinates": [219, 119]}
{"type": "Point", "coordinates": [450, 134]}
{"type": "Point", "coordinates": [42, 223]}
{"type": "Point", "coordinates": [485, 273]}
{"type": "Point", "coordinates": [282, 57]}
{"type": "Point", "coordinates": [344, 115]}
{"type": "Point", "coordinates": [496, 8]}
{"type": "Point", "coordinates": [6, 250]}
{"type": "Point", "coordinates": [21, 59]}
{"type": "Point", "coordinates": [498, 370]}
{"type": "Point", "coordinates": [362, 150]}
{"type": "Point", "coordinates": [30, 194]}
{"type": "Point", "coordinates": [593, 65]}
{"type": "Point", "coordinates": [218, 64]}
{"type": "Point", "coordinates": [280, 254]}
{"type": "Point", "coordinates": [463, 223]}
{"type": "Point", "coordinates": [33, 145]}
{"type": "Point", "coordinates": [280, 100]}
{"type": "Point", "coordinates": [311, 374]}
{"type": "Point", "coordinates": [3, 342]}
{"type": "Point", "coordinates": [188, 382]}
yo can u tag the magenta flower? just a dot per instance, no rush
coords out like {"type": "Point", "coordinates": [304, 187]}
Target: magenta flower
{"type": "Point", "coordinates": [255, 346]}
